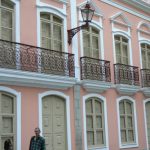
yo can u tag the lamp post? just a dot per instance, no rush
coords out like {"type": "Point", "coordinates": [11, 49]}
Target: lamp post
{"type": "Point", "coordinates": [87, 15]}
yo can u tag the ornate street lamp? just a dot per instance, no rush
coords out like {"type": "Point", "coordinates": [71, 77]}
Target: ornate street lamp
{"type": "Point", "coordinates": [87, 15]}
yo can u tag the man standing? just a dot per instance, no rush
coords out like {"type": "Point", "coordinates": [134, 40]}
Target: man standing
{"type": "Point", "coordinates": [37, 142]}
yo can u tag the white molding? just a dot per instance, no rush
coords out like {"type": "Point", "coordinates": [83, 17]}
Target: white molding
{"type": "Point", "coordinates": [18, 103]}
{"type": "Point", "coordinates": [101, 38]}
{"type": "Point", "coordinates": [143, 23]}
{"type": "Point", "coordinates": [42, 7]}
{"type": "Point", "coordinates": [127, 89]}
{"type": "Point", "coordinates": [32, 79]}
{"type": "Point", "coordinates": [136, 144]}
{"type": "Point", "coordinates": [74, 43]}
{"type": "Point", "coordinates": [142, 40]}
{"type": "Point", "coordinates": [145, 120]}
{"type": "Point", "coordinates": [125, 19]}
{"type": "Point", "coordinates": [67, 100]}
{"type": "Point", "coordinates": [85, 97]}
{"type": "Point", "coordinates": [117, 5]}
{"type": "Point", "coordinates": [128, 36]}
{"type": "Point", "coordinates": [17, 20]}
{"type": "Point", "coordinates": [95, 86]}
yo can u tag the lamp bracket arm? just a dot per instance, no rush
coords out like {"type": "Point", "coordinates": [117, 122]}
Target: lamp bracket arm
{"type": "Point", "coordinates": [73, 31]}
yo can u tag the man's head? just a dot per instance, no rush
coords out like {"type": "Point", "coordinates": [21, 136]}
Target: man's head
{"type": "Point", "coordinates": [37, 131]}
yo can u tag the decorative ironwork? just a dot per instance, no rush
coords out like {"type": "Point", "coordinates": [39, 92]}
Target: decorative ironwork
{"type": "Point", "coordinates": [126, 74]}
{"type": "Point", "coordinates": [35, 59]}
{"type": "Point", "coordinates": [145, 77]}
{"type": "Point", "coordinates": [95, 69]}
{"type": "Point", "coordinates": [73, 31]}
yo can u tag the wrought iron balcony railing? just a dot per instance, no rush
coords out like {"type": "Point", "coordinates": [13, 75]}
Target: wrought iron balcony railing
{"type": "Point", "coordinates": [35, 59]}
{"type": "Point", "coordinates": [95, 69]}
{"type": "Point", "coordinates": [126, 74]}
{"type": "Point", "coordinates": [145, 77]}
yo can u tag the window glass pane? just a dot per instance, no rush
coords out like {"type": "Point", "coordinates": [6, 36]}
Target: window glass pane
{"type": "Point", "coordinates": [57, 19]}
{"type": "Point", "coordinates": [89, 108]}
{"type": "Point", "coordinates": [7, 104]}
{"type": "Point", "coordinates": [122, 122]}
{"type": "Point", "coordinates": [57, 32]}
{"type": "Point", "coordinates": [125, 40]}
{"type": "Point", "coordinates": [6, 18]}
{"type": "Point", "coordinates": [90, 138]}
{"type": "Point", "coordinates": [128, 108]}
{"type": "Point", "coordinates": [125, 60]}
{"type": "Point", "coordinates": [57, 45]}
{"type": "Point", "coordinates": [45, 16]}
{"type": "Point", "coordinates": [46, 32]}
{"type": "Point", "coordinates": [130, 125]}
{"type": "Point", "coordinates": [98, 107]}
{"type": "Point", "coordinates": [7, 125]}
{"type": "Point", "coordinates": [99, 136]}
{"type": "Point", "coordinates": [89, 122]}
{"type": "Point", "coordinates": [95, 42]}
{"type": "Point", "coordinates": [86, 43]}
{"type": "Point", "coordinates": [131, 136]}
{"type": "Point", "coordinates": [123, 136]}
{"type": "Point", "coordinates": [125, 50]}
{"type": "Point", "coordinates": [6, 34]}
{"type": "Point", "coordinates": [95, 31]}
{"type": "Point", "coordinates": [121, 107]}
{"type": "Point", "coordinates": [98, 122]}
{"type": "Point", "coordinates": [46, 43]}
{"type": "Point", "coordinates": [118, 50]}
{"type": "Point", "coordinates": [117, 38]}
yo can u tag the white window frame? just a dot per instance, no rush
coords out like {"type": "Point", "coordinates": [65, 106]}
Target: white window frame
{"type": "Point", "coordinates": [103, 99]}
{"type": "Point", "coordinates": [18, 118]}
{"type": "Point", "coordinates": [145, 120]}
{"type": "Point", "coordinates": [142, 40]}
{"type": "Point", "coordinates": [122, 33]}
{"type": "Point", "coordinates": [42, 7]}
{"type": "Point", "coordinates": [136, 144]}
{"type": "Point", "coordinates": [67, 102]}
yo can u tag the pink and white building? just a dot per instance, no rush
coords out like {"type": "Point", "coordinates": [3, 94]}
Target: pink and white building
{"type": "Point", "coordinates": [91, 95]}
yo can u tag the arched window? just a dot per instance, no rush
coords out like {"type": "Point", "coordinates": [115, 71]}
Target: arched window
{"type": "Point", "coordinates": [7, 119]}
{"type": "Point", "coordinates": [127, 127]}
{"type": "Point", "coordinates": [145, 51]}
{"type": "Point", "coordinates": [95, 126]}
{"type": "Point", "coordinates": [122, 49]}
{"type": "Point", "coordinates": [6, 20]}
{"type": "Point", "coordinates": [51, 32]}
{"type": "Point", "coordinates": [91, 42]}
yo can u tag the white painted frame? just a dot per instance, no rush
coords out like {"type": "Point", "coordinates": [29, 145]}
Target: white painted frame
{"type": "Point", "coordinates": [123, 33]}
{"type": "Point", "coordinates": [103, 99]}
{"type": "Point", "coordinates": [145, 120]}
{"type": "Point", "coordinates": [136, 144]}
{"type": "Point", "coordinates": [67, 102]}
{"type": "Point", "coordinates": [142, 40]}
{"type": "Point", "coordinates": [42, 7]}
{"type": "Point", "coordinates": [18, 106]}
{"type": "Point", "coordinates": [17, 19]}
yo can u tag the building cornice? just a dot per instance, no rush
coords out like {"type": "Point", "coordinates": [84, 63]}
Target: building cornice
{"type": "Point", "coordinates": [139, 4]}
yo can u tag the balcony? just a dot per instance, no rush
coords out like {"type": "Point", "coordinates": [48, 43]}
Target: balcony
{"type": "Point", "coordinates": [95, 69]}
{"type": "Point", "coordinates": [29, 58]}
{"type": "Point", "coordinates": [126, 74]}
{"type": "Point", "coordinates": [145, 77]}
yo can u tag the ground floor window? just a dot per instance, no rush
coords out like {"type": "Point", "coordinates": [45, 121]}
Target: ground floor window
{"type": "Point", "coordinates": [7, 121]}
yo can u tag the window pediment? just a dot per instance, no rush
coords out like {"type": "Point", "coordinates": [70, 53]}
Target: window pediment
{"type": "Point", "coordinates": [120, 18]}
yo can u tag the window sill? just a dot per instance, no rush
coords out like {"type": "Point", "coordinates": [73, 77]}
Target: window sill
{"type": "Point", "coordinates": [133, 145]}
{"type": "Point", "coordinates": [98, 148]}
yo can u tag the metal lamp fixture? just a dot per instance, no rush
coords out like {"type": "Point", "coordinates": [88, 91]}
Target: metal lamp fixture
{"type": "Point", "coordinates": [87, 15]}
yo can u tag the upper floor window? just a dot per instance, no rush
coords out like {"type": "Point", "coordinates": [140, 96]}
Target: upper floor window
{"type": "Point", "coordinates": [95, 123]}
{"type": "Point", "coordinates": [91, 42]}
{"type": "Point", "coordinates": [145, 51]}
{"type": "Point", "coordinates": [122, 49]}
{"type": "Point", "coordinates": [6, 20]}
{"type": "Point", "coordinates": [127, 127]}
{"type": "Point", "coordinates": [51, 32]}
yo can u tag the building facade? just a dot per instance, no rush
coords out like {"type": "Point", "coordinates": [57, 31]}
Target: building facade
{"type": "Point", "coordinates": [93, 94]}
